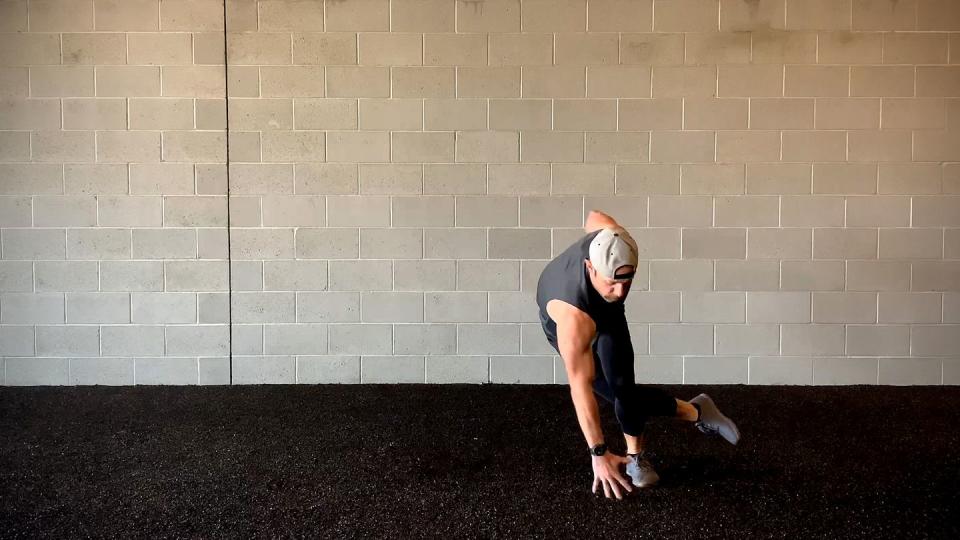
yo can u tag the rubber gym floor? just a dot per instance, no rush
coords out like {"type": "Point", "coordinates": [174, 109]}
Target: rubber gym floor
{"type": "Point", "coordinates": [474, 461]}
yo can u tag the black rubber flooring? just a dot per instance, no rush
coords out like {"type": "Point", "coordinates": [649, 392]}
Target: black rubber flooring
{"type": "Point", "coordinates": [454, 461]}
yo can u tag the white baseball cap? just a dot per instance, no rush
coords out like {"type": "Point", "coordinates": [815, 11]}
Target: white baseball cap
{"type": "Point", "coordinates": [611, 249]}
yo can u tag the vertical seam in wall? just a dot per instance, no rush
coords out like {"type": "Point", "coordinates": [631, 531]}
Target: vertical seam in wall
{"type": "Point", "coordinates": [226, 130]}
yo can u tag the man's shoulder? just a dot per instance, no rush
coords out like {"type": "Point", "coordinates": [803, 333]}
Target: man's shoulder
{"type": "Point", "coordinates": [559, 309]}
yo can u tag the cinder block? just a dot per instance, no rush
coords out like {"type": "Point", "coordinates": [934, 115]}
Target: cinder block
{"type": "Point", "coordinates": [620, 15]}
{"type": "Point", "coordinates": [686, 339]}
{"type": "Point", "coordinates": [347, 146]}
{"type": "Point", "coordinates": [194, 211]}
{"type": "Point", "coordinates": [550, 146]}
{"type": "Point", "coordinates": [495, 16]}
{"type": "Point", "coordinates": [352, 211]}
{"type": "Point", "coordinates": [60, 146]}
{"type": "Point", "coordinates": [492, 82]}
{"type": "Point", "coordinates": [618, 82]}
{"type": "Point", "coordinates": [454, 114]}
{"type": "Point", "coordinates": [194, 81]}
{"type": "Point", "coordinates": [519, 243]}
{"type": "Point", "coordinates": [457, 369]}
{"type": "Point", "coordinates": [264, 307]}
{"type": "Point", "coordinates": [740, 276]}
{"type": "Point", "coordinates": [13, 16]}
{"type": "Point", "coordinates": [391, 243]}
{"type": "Point", "coordinates": [127, 15]}
{"type": "Point", "coordinates": [487, 211]}
{"type": "Point", "coordinates": [14, 146]}
{"type": "Point", "coordinates": [846, 178]}
{"type": "Point", "coordinates": [130, 211]}
{"type": "Point", "coordinates": [16, 276]}
{"type": "Point", "coordinates": [17, 341]}
{"type": "Point", "coordinates": [295, 339]}
{"type": "Point", "coordinates": [722, 369]}
{"type": "Point", "coordinates": [488, 275]}
{"type": "Point", "coordinates": [213, 308]}
{"type": "Point", "coordinates": [583, 178]}
{"type": "Point", "coordinates": [257, 178]}
{"type": "Point", "coordinates": [781, 370]}
{"type": "Point", "coordinates": [328, 307]}
{"type": "Point", "coordinates": [685, 81]}
{"type": "Point", "coordinates": [423, 211]}
{"type": "Point", "coordinates": [32, 308]}
{"type": "Point", "coordinates": [421, 275]}
{"type": "Point", "coordinates": [195, 146]}
{"type": "Point", "coordinates": [167, 371]}
{"type": "Point", "coordinates": [837, 243]}
{"type": "Point", "coordinates": [811, 211]}
{"type": "Point", "coordinates": [30, 114]}
{"type": "Point", "coordinates": [748, 146]}
{"type": "Point", "coordinates": [736, 15]}
{"type": "Point", "coordinates": [390, 49]}
{"type": "Point", "coordinates": [879, 146]}
{"type": "Point", "coordinates": [391, 369]}
{"type": "Point", "coordinates": [264, 369]}
{"type": "Point", "coordinates": [161, 179]}
{"type": "Point", "coordinates": [191, 276]}
{"type": "Point", "coordinates": [360, 338]}
{"type": "Point", "coordinates": [913, 113]}
{"type": "Point", "coordinates": [300, 210]}
{"type": "Point", "coordinates": [29, 49]}
{"type": "Point", "coordinates": [936, 211]}
{"type": "Point", "coordinates": [840, 371]}
{"type": "Point", "coordinates": [816, 81]}
{"type": "Point", "coordinates": [423, 82]}
{"type": "Point", "coordinates": [487, 146]}
{"type": "Point", "coordinates": [513, 307]}
{"type": "Point", "coordinates": [370, 15]}
{"type": "Point", "coordinates": [722, 243]}
{"type": "Point", "coordinates": [371, 82]}
{"type": "Point", "coordinates": [94, 48]}
{"type": "Point", "coordinates": [51, 211]}
{"type": "Point", "coordinates": [326, 178]}
{"type": "Point", "coordinates": [207, 340]}
{"type": "Point", "coordinates": [167, 307]}
{"type": "Point", "coordinates": [31, 179]}
{"type": "Point", "coordinates": [935, 276]}
{"type": "Point", "coordinates": [521, 49]}
{"type": "Point", "coordinates": [587, 49]}
{"type": "Point", "coordinates": [616, 147]}
{"type": "Point", "coordinates": [361, 275]}
{"type": "Point", "coordinates": [849, 48]}
{"type": "Point", "coordinates": [101, 371]}
{"type": "Point", "coordinates": [423, 147]}
{"type": "Point", "coordinates": [391, 306]}
{"type": "Point", "coordinates": [325, 113]}
{"type": "Point", "coordinates": [914, 48]}
{"type": "Point", "coordinates": [813, 146]}
{"type": "Point", "coordinates": [694, 275]}
{"type": "Point", "coordinates": [128, 81]}
{"type": "Point", "coordinates": [127, 146]}
{"type": "Point", "coordinates": [686, 16]}
{"type": "Point", "coordinates": [285, 15]}
{"type": "Point", "coordinates": [258, 48]}
{"type": "Point", "coordinates": [36, 371]}
{"type": "Point", "coordinates": [910, 371]}
{"type": "Point", "coordinates": [717, 48]}
{"type": "Point", "coordinates": [682, 146]}
{"type": "Point", "coordinates": [167, 48]}
{"type": "Point", "coordinates": [747, 339]}
{"type": "Point", "coordinates": [255, 244]}
{"type": "Point", "coordinates": [427, 339]}
{"type": "Point", "coordinates": [778, 47]}
{"type": "Point", "coordinates": [911, 307]}
{"type": "Point", "coordinates": [131, 276]}
{"type": "Point", "coordinates": [328, 369]}
{"type": "Point", "coordinates": [292, 81]}
{"type": "Point", "coordinates": [455, 49]}
{"type": "Point", "coordinates": [94, 114]}
{"type": "Point", "coordinates": [522, 369]}
{"type": "Point", "coordinates": [818, 15]}
{"type": "Point", "coordinates": [651, 49]}
{"type": "Point", "coordinates": [55, 81]}
{"type": "Point", "coordinates": [68, 340]}
{"type": "Point", "coordinates": [882, 81]}
{"type": "Point", "coordinates": [554, 81]}
{"type": "Point", "coordinates": [295, 275]}
{"type": "Point", "coordinates": [132, 340]}
{"type": "Point", "coordinates": [456, 243]}
{"type": "Point", "coordinates": [422, 16]}
{"type": "Point", "coordinates": [66, 276]}
{"type": "Point", "coordinates": [936, 81]}
{"type": "Point", "coordinates": [333, 243]}
{"type": "Point", "coordinates": [325, 49]}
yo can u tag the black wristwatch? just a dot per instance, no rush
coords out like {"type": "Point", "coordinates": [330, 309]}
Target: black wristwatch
{"type": "Point", "coordinates": [599, 449]}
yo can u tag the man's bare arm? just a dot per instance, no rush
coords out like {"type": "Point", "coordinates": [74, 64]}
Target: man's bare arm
{"type": "Point", "coordinates": [598, 220]}
{"type": "Point", "coordinates": [575, 333]}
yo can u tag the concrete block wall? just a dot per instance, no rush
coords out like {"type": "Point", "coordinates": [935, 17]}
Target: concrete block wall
{"type": "Point", "coordinates": [401, 170]}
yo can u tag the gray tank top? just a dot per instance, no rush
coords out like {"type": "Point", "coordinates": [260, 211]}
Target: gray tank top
{"type": "Point", "coordinates": [565, 278]}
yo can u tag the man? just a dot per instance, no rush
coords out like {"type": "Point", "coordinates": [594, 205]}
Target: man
{"type": "Point", "coordinates": [581, 295]}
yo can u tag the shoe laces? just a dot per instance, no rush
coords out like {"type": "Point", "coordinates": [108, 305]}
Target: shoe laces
{"type": "Point", "coordinates": [708, 429]}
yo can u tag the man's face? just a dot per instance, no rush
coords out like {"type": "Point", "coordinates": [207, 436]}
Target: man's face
{"type": "Point", "coordinates": [610, 289]}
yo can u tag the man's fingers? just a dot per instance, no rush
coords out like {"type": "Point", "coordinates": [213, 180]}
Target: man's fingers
{"type": "Point", "coordinates": [606, 488]}
{"type": "Point", "coordinates": [616, 489]}
{"type": "Point", "coordinates": [623, 481]}
{"type": "Point", "coordinates": [596, 481]}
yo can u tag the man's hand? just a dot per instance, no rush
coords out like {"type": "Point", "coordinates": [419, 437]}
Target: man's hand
{"type": "Point", "coordinates": [606, 470]}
